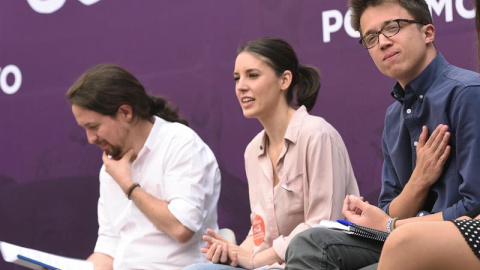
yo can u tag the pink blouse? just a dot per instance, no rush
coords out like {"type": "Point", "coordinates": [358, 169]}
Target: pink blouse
{"type": "Point", "coordinates": [314, 173]}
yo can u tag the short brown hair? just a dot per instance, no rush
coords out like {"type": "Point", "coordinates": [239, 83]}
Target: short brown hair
{"type": "Point", "coordinates": [417, 8]}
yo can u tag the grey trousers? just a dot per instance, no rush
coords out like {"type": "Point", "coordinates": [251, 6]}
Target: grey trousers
{"type": "Point", "coordinates": [327, 249]}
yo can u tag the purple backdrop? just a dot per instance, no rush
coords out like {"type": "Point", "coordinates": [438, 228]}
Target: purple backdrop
{"type": "Point", "coordinates": [185, 51]}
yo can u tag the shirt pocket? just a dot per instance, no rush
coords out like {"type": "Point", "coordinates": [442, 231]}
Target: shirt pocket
{"type": "Point", "coordinates": [292, 189]}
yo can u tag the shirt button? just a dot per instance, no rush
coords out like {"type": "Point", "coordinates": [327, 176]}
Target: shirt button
{"type": "Point", "coordinates": [421, 96]}
{"type": "Point", "coordinates": [415, 143]}
{"type": "Point", "coordinates": [409, 111]}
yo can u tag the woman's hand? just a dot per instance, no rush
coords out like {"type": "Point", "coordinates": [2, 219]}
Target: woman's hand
{"type": "Point", "coordinates": [219, 250]}
{"type": "Point", "coordinates": [214, 247]}
{"type": "Point", "coordinates": [218, 253]}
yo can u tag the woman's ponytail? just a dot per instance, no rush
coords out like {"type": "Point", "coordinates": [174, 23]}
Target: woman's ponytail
{"type": "Point", "coordinates": [307, 86]}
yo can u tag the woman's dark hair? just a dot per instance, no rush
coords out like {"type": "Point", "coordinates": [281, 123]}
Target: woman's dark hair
{"type": "Point", "coordinates": [104, 88]}
{"type": "Point", "coordinates": [280, 56]}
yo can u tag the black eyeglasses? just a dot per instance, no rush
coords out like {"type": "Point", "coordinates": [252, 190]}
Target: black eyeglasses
{"type": "Point", "coordinates": [390, 29]}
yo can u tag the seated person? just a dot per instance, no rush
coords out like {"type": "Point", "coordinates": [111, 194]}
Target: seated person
{"type": "Point", "coordinates": [298, 168]}
{"type": "Point", "coordinates": [447, 245]}
{"type": "Point", "coordinates": [159, 183]}
{"type": "Point", "coordinates": [399, 36]}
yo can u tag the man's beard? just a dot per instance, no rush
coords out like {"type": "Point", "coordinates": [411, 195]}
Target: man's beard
{"type": "Point", "coordinates": [112, 151]}
{"type": "Point", "coordinates": [115, 152]}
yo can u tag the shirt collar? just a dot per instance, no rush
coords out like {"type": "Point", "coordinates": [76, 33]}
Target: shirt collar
{"type": "Point", "coordinates": [152, 137]}
{"type": "Point", "coordinates": [423, 81]}
{"type": "Point", "coordinates": [291, 134]}
{"type": "Point", "coordinates": [293, 128]}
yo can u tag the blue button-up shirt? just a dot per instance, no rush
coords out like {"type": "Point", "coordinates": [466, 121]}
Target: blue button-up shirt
{"type": "Point", "coordinates": [441, 94]}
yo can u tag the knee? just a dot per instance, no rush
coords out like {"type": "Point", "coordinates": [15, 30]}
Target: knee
{"type": "Point", "coordinates": [405, 238]}
{"type": "Point", "coordinates": [307, 241]}
{"type": "Point", "coordinates": [300, 242]}
{"type": "Point", "coordinates": [297, 242]}
{"type": "Point", "coordinates": [301, 238]}
{"type": "Point", "coordinates": [309, 238]}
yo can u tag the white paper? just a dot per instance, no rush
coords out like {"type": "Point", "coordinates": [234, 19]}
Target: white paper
{"type": "Point", "coordinates": [10, 252]}
{"type": "Point", "coordinates": [332, 225]}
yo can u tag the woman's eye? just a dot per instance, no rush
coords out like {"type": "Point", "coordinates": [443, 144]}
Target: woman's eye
{"type": "Point", "coordinates": [253, 75]}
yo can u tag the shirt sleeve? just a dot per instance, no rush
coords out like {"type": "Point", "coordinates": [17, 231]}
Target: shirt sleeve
{"type": "Point", "coordinates": [465, 127]}
{"type": "Point", "coordinates": [107, 238]}
{"type": "Point", "coordinates": [192, 180]}
{"type": "Point", "coordinates": [391, 186]}
{"type": "Point", "coordinates": [330, 178]}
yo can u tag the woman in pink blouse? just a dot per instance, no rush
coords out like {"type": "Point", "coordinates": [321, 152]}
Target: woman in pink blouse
{"type": "Point", "coordinates": [297, 167]}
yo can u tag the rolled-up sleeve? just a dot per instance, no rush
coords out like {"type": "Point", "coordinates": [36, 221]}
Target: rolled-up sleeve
{"type": "Point", "coordinates": [107, 238]}
{"type": "Point", "coordinates": [188, 180]}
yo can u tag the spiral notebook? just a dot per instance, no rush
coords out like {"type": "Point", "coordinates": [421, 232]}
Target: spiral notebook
{"type": "Point", "coordinates": [354, 229]}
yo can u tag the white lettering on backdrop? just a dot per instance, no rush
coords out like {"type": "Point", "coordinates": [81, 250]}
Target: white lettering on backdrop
{"type": "Point", "coordinates": [332, 20]}
{"type": "Point", "coordinates": [50, 6]}
{"type": "Point", "coordinates": [17, 79]}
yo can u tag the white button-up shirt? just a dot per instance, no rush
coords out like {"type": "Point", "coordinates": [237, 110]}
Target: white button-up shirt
{"type": "Point", "coordinates": [175, 166]}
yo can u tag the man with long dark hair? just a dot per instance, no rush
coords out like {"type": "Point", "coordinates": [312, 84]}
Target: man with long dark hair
{"type": "Point", "coordinates": [159, 184]}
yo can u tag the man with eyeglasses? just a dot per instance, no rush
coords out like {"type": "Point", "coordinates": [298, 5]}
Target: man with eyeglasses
{"type": "Point", "coordinates": [429, 94]}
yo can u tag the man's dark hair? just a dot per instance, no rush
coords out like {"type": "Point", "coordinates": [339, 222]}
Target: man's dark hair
{"type": "Point", "coordinates": [417, 8]}
{"type": "Point", "coordinates": [104, 88]}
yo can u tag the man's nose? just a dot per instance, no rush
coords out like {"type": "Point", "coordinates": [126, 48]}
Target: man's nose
{"type": "Point", "coordinates": [384, 42]}
{"type": "Point", "coordinates": [91, 137]}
